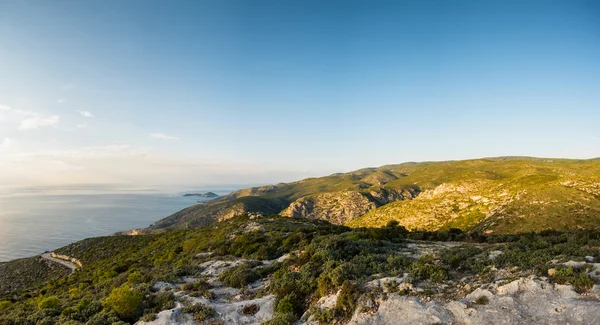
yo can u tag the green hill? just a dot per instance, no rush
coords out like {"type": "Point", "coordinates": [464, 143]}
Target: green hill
{"type": "Point", "coordinates": [502, 194]}
{"type": "Point", "coordinates": [497, 195]}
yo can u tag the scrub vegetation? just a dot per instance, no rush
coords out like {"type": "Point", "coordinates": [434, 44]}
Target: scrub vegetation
{"type": "Point", "coordinates": [116, 283]}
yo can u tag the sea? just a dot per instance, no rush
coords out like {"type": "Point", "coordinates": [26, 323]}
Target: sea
{"type": "Point", "coordinates": [38, 219]}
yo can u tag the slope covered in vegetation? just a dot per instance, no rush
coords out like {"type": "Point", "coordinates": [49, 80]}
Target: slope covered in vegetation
{"type": "Point", "coordinates": [502, 195]}
{"type": "Point", "coordinates": [296, 265]}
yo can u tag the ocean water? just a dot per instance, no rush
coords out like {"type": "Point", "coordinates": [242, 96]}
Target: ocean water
{"type": "Point", "coordinates": [34, 221]}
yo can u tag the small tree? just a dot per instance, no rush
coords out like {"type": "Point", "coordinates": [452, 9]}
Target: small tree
{"type": "Point", "coordinates": [125, 302]}
{"type": "Point", "coordinates": [49, 303]}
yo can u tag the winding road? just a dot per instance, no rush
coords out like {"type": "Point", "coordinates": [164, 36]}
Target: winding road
{"type": "Point", "coordinates": [68, 264]}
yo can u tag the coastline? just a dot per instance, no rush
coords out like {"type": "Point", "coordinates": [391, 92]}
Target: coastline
{"type": "Point", "coordinates": [35, 223]}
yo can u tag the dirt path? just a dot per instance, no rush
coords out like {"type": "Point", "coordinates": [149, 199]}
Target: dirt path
{"type": "Point", "coordinates": [68, 264]}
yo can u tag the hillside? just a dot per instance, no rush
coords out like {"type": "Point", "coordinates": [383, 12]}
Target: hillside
{"type": "Point", "coordinates": [502, 195]}
{"type": "Point", "coordinates": [28, 273]}
{"type": "Point", "coordinates": [278, 270]}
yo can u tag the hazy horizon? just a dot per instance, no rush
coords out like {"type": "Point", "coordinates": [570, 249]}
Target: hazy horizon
{"type": "Point", "coordinates": [192, 93]}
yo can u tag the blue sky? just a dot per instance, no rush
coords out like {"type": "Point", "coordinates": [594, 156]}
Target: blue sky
{"type": "Point", "coordinates": [209, 92]}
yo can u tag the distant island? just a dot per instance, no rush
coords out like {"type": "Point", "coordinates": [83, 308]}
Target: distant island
{"type": "Point", "coordinates": [207, 194]}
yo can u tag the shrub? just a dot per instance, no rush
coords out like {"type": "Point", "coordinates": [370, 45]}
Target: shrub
{"type": "Point", "coordinates": [148, 317]}
{"type": "Point", "coordinates": [126, 302]}
{"type": "Point", "coordinates": [482, 300]}
{"type": "Point", "coordinates": [583, 282]}
{"type": "Point", "coordinates": [282, 319]}
{"type": "Point", "coordinates": [241, 275]}
{"type": "Point", "coordinates": [287, 305]}
{"type": "Point", "coordinates": [346, 301]}
{"type": "Point", "coordinates": [49, 303]}
{"type": "Point", "coordinates": [324, 285]}
{"type": "Point", "coordinates": [424, 271]}
{"type": "Point", "coordinates": [199, 288]}
{"type": "Point", "coordinates": [199, 311]}
{"type": "Point", "coordinates": [323, 316]}
{"type": "Point", "coordinates": [162, 301]}
{"type": "Point", "coordinates": [4, 305]}
{"type": "Point", "coordinates": [563, 275]}
{"type": "Point", "coordinates": [250, 310]}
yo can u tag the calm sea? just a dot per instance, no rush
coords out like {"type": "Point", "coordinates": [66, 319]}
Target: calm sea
{"type": "Point", "coordinates": [38, 220]}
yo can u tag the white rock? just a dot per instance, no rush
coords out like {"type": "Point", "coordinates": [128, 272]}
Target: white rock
{"type": "Point", "coordinates": [523, 301]}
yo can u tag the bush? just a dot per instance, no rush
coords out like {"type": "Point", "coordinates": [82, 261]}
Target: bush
{"type": "Point", "coordinates": [162, 301]}
{"type": "Point", "coordinates": [241, 275]}
{"type": "Point", "coordinates": [583, 282]}
{"type": "Point", "coordinates": [199, 288]}
{"type": "Point", "coordinates": [4, 305]}
{"type": "Point", "coordinates": [282, 319]}
{"type": "Point", "coordinates": [482, 300]}
{"type": "Point", "coordinates": [148, 317]}
{"type": "Point", "coordinates": [199, 311]}
{"type": "Point", "coordinates": [287, 305]}
{"type": "Point", "coordinates": [346, 301]}
{"type": "Point", "coordinates": [563, 275]}
{"type": "Point", "coordinates": [250, 310]}
{"type": "Point", "coordinates": [425, 271]}
{"type": "Point", "coordinates": [126, 302]}
{"type": "Point", "coordinates": [49, 303]}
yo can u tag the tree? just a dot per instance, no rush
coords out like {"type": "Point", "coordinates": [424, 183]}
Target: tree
{"type": "Point", "coordinates": [125, 302]}
{"type": "Point", "coordinates": [49, 303]}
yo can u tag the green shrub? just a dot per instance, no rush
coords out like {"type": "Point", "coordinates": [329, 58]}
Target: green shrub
{"type": "Point", "coordinates": [148, 317]}
{"type": "Point", "coordinates": [563, 275]}
{"type": "Point", "coordinates": [5, 304]}
{"type": "Point", "coordinates": [287, 305]}
{"type": "Point", "coordinates": [49, 303]}
{"type": "Point", "coordinates": [250, 310]}
{"type": "Point", "coordinates": [199, 288]}
{"type": "Point", "coordinates": [482, 300]}
{"type": "Point", "coordinates": [241, 275]}
{"type": "Point", "coordinates": [324, 316]}
{"type": "Point", "coordinates": [282, 319]}
{"type": "Point", "coordinates": [428, 271]}
{"type": "Point", "coordinates": [199, 311]}
{"type": "Point", "coordinates": [126, 302]}
{"type": "Point", "coordinates": [346, 301]}
{"type": "Point", "coordinates": [583, 282]}
{"type": "Point", "coordinates": [162, 301]}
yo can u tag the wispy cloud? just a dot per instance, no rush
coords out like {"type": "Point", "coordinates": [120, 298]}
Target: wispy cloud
{"type": "Point", "coordinates": [38, 121]}
{"type": "Point", "coordinates": [26, 120]}
{"type": "Point", "coordinates": [60, 100]}
{"type": "Point", "coordinates": [82, 126]}
{"type": "Point", "coordinates": [163, 136]}
{"type": "Point", "coordinates": [86, 113]}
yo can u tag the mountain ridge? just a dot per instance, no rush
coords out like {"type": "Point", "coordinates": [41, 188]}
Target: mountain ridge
{"type": "Point", "coordinates": [487, 194]}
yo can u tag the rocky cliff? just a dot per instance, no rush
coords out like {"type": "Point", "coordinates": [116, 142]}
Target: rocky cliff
{"type": "Point", "coordinates": [341, 207]}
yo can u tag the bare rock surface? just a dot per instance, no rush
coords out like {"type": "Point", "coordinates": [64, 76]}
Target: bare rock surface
{"type": "Point", "coordinates": [523, 301]}
{"type": "Point", "coordinates": [227, 302]}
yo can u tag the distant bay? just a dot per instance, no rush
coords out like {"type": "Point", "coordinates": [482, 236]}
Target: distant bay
{"type": "Point", "coordinates": [36, 220]}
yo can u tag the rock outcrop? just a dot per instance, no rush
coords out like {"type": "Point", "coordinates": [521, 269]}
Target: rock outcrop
{"type": "Point", "coordinates": [523, 301]}
{"type": "Point", "coordinates": [341, 207]}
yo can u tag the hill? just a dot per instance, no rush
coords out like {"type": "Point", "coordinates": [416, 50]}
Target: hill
{"type": "Point", "coordinates": [279, 270]}
{"type": "Point", "coordinates": [502, 195]}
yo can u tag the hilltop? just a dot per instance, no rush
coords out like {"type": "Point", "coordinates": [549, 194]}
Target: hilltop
{"type": "Point", "coordinates": [493, 195]}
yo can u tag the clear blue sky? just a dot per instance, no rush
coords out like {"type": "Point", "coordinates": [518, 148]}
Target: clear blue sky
{"type": "Point", "coordinates": [205, 92]}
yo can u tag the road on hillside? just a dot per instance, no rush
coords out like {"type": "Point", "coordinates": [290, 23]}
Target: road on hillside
{"type": "Point", "coordinates": [68, 264]}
